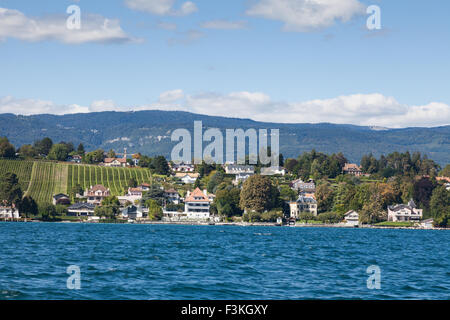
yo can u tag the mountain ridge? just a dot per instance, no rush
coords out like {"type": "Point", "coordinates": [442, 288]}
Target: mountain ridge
{"type": "Point", "coordinates": [149, 132]}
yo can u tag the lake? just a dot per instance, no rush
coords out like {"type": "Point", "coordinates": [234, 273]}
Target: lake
{"type": "Point", "coordinates": [220, 262]}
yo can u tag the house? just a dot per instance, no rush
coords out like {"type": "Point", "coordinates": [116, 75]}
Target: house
{"type": "Point", "coordinates": [187, 178]}
{"type": "Point", "coordinates": [144, 186]}
{"type": "Point", "coordinates": [9, 212]}
{"type": "Point", "coordinates": [351, 218]}
{"type": "Point", "coordinates": [135, 192]}
{"type": "Point", "coordinates": [115, 162]}
{"type": "Point", "coordinates": [447, 186]}
{"type": "Point", "coordinates": [81, 209]}
{"type": "Point", "coordinates": [353, 169]}
{"type": "Point", "coordinates": [197, 204]}
{"type": "Point", "coordinates": [96, 194]}
{"type": "Point", "coordinates": [427, 224]}
{"type": "Point", "coordinates": [303, 204]}
{"type": "Point", "coordinates": [241, 177]}
{"type": "Point", "coordinates": [123, 200]}
{"type": "Point", "coordinates": [404, 212]}
{"type": "Point", "coordinates": [236, 169]}
{"type": "Point", "coordinates": [75, 159]}
{"type": "Point", "coordinates": [172, 195]}
{"type": "Point", "coordinates": [443, 179]}
{"type": "Point", "coordinates": [133, 212]}
{"type": "Point", "coordinates": [183, 167]}
{"type": "Point", "coordinates": [301, 186]}
{"type": "Point", "coordinates": [271, 171]}
{"type": "Point", "coordinates": [61, 198]}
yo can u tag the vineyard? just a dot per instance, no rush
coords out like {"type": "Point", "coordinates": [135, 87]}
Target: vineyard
{"type": "Point", "coordinates": [41, 180]}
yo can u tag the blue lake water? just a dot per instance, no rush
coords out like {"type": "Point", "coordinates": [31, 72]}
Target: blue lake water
{"type": "Point", "coordinates": [220, 262]}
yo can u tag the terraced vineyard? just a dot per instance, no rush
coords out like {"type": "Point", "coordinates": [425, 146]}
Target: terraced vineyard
{"type": "Point", "coordinates": [47, 179]}
{"type": "Point", "coordinates": [41, 180]}
{"type": "Point", "coordinates": [21, 168]}
{"type": "Point", "coordinates": [116, 179]}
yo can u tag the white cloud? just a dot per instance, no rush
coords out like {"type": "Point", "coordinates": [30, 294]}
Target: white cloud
{"type": "Point", "coordinates": [306, 15]}
{"type": "Point", "coordinates": [162, 7]}
{"type": "Point", "coordinates": [224, 25]}
{"type": "Point", "coordinates": [359, 109]}
{"type": "Point", "coordinates": [94, 28]}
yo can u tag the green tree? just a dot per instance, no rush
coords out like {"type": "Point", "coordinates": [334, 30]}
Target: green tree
{"type": "Point", "coordinates": [7, 150]}
{"type": "Point", "coordinates": [258, 194]}
{"type": "Point", "coordinates": [160, 165]}
{"type": "Point", "coordinates": [440, 202]}
{"type": "Point", "coordinates": [80, 149]}
{"type": "Point", "coordinates": [43, 146]}
{"type": "Point", "coordinates": [155, 211]}
{"type": "Point", "coordinates": [58, 152]}
{"type": "Point", "coordinates": [324, 196]}
{"type": "Point", "coordinates": [48, 212]}
{"type": "Point", "coordinates": [93, 157]}
{"type": "Point", "coordinates": [27, 151]}
{"type": "Point", "coordinates": [132, 183]}
{"type": "Point", "coordinates": [28, 206]}
{"type": "Point", "coordinates": [227, 202]}
{"type": "Point", "coordinates": [10, 190]}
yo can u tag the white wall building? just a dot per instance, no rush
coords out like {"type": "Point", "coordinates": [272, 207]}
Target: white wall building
{"type": "Point", "coordinates": [197, 204]}
{"type": "Point", "coordinates": [351, 218]}
{"type": "Point", "coordinates": [404, 212]}
{"type": "Point", "coordinates": [9, 212]}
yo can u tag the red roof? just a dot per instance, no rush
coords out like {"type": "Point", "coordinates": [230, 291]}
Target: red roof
{"type": "Point", "coordinates": [197, 196]}
{"type": "Point", "coordinates": [109, 160]}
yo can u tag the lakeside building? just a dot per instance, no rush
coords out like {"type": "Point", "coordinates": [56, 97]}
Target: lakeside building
{"type": "Point", "coordinates": [187, 178]}
{"type": "Point", "coordinates": [144, 186]}
{"type": "Point", "coordinates": [427, 224]}
{"type": "Point", "coordinates": [61, 198]}
{"type": "Point", "coordinates": [301, 186]}
{"type": "Point", "coordinates": [352, 169]}
{"type": "Point", "coordinates": [272, 171]}
{"type": "Point", "coordinates": [303, 204]}
{"type": "Point", "coordinates": [197, 204]}
{"type": "Point", "coordinates": [96, 194]}
{"type": "Point", "coordinates": [236, 169]}
{"type": "Point", "coordinates": [351, 218]}
{"type": "Point", "coordinates": [81, 209]}
{"type": "Point", "coordinates": [9, 212]}
{"type": "Point", "coordinates": [135, 192]}
{"type": "Point", "coordinates": [133, 212]}
{"type": "Point", "coordinates": [404, 212]}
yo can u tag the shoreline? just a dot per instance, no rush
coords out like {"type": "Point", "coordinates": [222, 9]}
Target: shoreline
{"type": "Point", "coordinates": [238, 224]}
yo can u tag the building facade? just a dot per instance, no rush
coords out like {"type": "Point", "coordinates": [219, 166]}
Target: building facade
{"type": "Point", "coordinates": [404, 212]}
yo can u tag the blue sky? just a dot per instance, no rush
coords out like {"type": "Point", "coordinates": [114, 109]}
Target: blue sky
{"type": "Point", "coordinates": [259, 59]}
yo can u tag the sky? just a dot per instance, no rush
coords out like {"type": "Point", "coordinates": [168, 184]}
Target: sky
{"type": "Point", "coordinates": [287, 61]}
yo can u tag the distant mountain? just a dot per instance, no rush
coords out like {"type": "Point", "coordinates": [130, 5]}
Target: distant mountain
{"type": "Point", "coordinates": [149, 132]}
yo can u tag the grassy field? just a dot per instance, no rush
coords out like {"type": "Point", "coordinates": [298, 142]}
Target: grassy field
{"type": "Point", "coordinates": [395, 224]}
{"type": "Point", "coordinates": [41, 180]}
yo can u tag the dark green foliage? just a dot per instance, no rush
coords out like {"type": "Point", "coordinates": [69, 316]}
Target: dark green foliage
{"type": "Point", "coordinates": [7, 150]}
{"type": "Point", "coordinates": [10, 190]}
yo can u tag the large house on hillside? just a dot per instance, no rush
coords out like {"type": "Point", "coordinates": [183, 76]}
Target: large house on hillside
{"type": "Point", "coordinates": [404, 212]}
{"type": "Point", "coordinates": [61, 198]}
{"type": "Point", "coordinates": [197, 204]}
{"type": "Point", "coordinates": [96, 194]}
{"type": "Point", "coordinates": [183, 167]}
{"type": "Point", "coordinates": [187, 178]}
{"type": "Point", "coordinates": [302, 186]}
{"type": "Point", "coordinates": [353, 169]}
{"type": "Point", "coordinates": [115, 162]}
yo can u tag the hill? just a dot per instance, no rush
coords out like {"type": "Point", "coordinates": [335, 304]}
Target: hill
{"type": "Point", "coordinates": [149, 132]}
{"type": "Point", "coordinates": [41, 180]}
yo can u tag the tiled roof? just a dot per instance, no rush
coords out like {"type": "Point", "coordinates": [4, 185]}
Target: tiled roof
{"type": "Point", "coordinates": [109, 160]}
{"type": "Point", "coordinates": [196, 195]}
{"type": "Point", "coordinates": [98, 187]}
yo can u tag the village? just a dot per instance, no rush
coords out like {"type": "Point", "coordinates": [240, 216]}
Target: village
{"type": "Point", "coordinates": [229, 194]}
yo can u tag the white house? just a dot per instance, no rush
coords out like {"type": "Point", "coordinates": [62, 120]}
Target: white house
{"type": "Point", "coordinates": [96, 194]}
{"type": "Point", "coordinates": [404, 212]}
{"type": "Point", "coordinates": [271, 171]}
{"type": "Point", "coordinates": [183, 167]}
{"type": "Point", "coordinates": [351, 218]}
{"type": "Point", "coordinates": [133, 212]}
{"type": "Point", "coordinates": [81, 209]}
{"type": "Point", "coordinates": [115, 162]}
{"type": "Point", "coordinates": [187, 178]}
{"type": "Point", "coordinates": [172, 195]}
{"type": "Point", "coordinates": [427, 224]}
{"type": "Point", "coordinates": [197, 204]}
{"type": "Point", "coordinates": [236, 169]}
{"type": "Point", "coordinates": [303, 204]}
{"type": "Point", "coordinates": [9, 212]}
{"type": "Point", "coordinates": [241, 177]}
{"type": "Point", "coordinates": [302, 186]}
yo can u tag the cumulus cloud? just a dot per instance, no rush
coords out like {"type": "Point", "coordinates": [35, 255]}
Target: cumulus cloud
{"type": "Point", "coordinates": [94, 28]}
{"type": "Point", "coordinates": [162, 7]}
{"type": "Point", "coordinates": [224, 25]}
{"type": "Point", "coordinates": [359, 109]}
{"type": "Point", "coordinates": [306, 15]}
